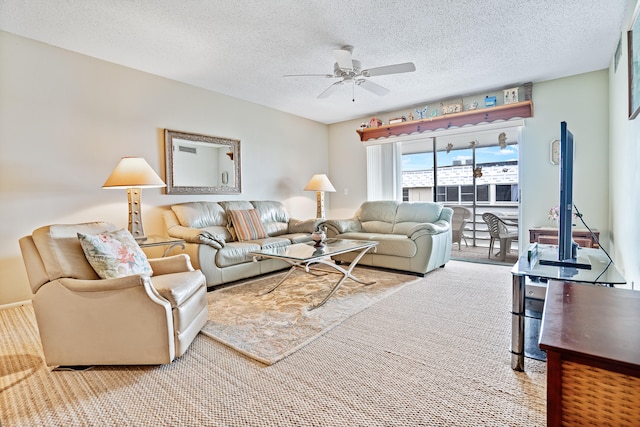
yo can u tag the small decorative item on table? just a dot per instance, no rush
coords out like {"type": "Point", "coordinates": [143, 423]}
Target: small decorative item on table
{"type": "Point", "coordinates": [319, 236]}
{"type": "Point", "coordinates": [489, 101]}
{"type": "Point", "coordinates": [510, 95]}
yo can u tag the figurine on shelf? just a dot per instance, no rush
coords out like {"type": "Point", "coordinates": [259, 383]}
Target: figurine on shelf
{"type": "Point", "coordinates": [375, 122]}
{"type": "Point", "coordinates": [410, 118]}
{"type": "Point", "coordinates": [489, 101]}
{"type": "Point", "coordinates": [421, 113]}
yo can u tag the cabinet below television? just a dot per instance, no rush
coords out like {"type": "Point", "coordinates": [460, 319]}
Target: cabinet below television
{"type": "Point", "coordinates": [549, 236]}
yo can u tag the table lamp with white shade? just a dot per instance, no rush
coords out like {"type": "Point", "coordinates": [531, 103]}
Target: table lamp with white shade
{"type": "Point", "coordinates": [134, 174]}
{"type": "Point", "coordinates": [320, 183]}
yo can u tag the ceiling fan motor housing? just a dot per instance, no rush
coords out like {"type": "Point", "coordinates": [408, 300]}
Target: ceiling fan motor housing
{"type": "Point", "coordinates": [347, 73]}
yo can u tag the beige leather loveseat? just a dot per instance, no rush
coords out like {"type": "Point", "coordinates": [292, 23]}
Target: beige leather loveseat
{"type": "Point", "coordinates": [223, 254]}
{"type": "Point", "coordinates": [413, 237]}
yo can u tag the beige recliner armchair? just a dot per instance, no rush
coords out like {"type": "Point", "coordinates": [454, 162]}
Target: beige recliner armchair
{"type": "Point", "coordinates": [134, 320]}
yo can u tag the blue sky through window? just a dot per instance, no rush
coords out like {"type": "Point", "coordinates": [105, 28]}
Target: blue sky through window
{"type": "Point", "coordinates": [422, 161]}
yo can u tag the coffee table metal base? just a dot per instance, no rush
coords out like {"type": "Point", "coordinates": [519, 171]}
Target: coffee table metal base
{"type": "Point", "coordinates": [346, 274]}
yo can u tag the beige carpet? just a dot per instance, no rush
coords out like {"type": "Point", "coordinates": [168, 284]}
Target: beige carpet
{"type": "Point", "coordinates": [434, 353]}
{"type": "Point", "coordinates": [270, 327]}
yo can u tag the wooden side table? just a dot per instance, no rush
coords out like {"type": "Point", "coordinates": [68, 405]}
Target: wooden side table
{"type": "Point", "coordinates": [549, 236]}
{"type": "Point", "coordinates": [170, 242]}
{"type": "Point", "coordinates": [592, 341]}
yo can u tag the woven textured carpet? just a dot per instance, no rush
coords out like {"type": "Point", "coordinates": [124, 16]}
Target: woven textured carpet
{"type": "Point", "coordinates": [434, 353]}
{"type": "Point", "coordinates": [270, 327]}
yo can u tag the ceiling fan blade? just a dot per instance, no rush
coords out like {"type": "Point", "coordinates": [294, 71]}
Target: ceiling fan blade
{"type": "Point", "coordinates": [330, 90]}
{"type": "Point", "coordinates": [373, 87]}
{"type": "Point", "coordinates": [343, 57]}
{"type": "Point", "coordinates": [406, 67]}
{"type": "Point", "coordinates": [329, 76]}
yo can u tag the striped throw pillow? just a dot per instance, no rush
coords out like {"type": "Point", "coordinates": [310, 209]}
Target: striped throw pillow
{"type": "Point", "coordinates": [247, 224]}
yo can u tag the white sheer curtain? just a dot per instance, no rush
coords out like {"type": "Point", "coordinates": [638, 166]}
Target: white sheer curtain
{"type": "Point", "coordinates": [384, 171]}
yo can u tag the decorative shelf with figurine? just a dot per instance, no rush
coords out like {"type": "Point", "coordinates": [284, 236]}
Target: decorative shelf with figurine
{"type": "Point", "coordinates": [522, 110]}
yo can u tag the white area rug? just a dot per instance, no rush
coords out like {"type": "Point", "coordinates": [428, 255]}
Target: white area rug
{"type": "Point", "coordinates": [270, 327]}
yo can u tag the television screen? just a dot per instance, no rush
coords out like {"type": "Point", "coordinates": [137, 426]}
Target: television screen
{"type": "Point", "coordinates": [565, 240]}
{"type": "Point", "coordinates": [567, 255]}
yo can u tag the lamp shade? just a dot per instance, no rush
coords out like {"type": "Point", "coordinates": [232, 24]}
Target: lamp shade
{"type": "Point", "coordinates": [133, 172]}
{"type": "Point", "coordinates": [319, 182]}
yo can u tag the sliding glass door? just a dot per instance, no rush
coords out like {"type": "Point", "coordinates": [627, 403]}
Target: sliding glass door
{"type": "Point", "coordinates": [475, 170]}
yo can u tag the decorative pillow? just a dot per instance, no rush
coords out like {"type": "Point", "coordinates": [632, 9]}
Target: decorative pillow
{"type": "Point", "coordinates": [114, 254]}
{"type": "Point", "coordinates": [247, 224]}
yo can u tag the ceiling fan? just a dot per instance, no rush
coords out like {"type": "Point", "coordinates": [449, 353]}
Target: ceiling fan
{"type": "Point", "coordinates": [349, 70]}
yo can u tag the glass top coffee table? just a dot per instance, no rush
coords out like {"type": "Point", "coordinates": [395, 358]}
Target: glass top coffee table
{"type": "Point", "coordinates": [302, 255]}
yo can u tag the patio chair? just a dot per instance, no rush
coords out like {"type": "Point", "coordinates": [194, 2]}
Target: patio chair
{"type": "Point", "coordinates": [459, 220]}
{"type": "Point", "coordinates": [501, 231]}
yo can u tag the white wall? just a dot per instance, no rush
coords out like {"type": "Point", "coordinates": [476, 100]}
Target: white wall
{"type": "Point", "coordinates": [66, 120]}
{"type": "Point", "coordinates": [624, 161]}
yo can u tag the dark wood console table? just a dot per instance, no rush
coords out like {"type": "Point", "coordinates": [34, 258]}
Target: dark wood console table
{"type": "Point", "coordinates": [549, 236]}
{"type": "Point", "coordinates": [592, 341]}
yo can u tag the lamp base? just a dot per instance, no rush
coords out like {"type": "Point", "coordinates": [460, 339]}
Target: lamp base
{"type": "Point", "coordinates": [320, 204]}
{"type": "Point", "coordinates": [135, 213]}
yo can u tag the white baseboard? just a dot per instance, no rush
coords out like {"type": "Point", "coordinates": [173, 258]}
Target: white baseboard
{"type": "Point", "coordinates": [15, 304]}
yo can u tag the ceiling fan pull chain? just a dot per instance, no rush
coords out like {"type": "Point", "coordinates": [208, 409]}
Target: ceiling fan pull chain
{"type": "Point", "coordinates": [353, 92]}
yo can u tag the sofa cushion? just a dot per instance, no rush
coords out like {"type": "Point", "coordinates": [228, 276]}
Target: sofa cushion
{"type": "Point", "coordinates": [390, 244]}
{"type": "Point", "coordinates": [273, 215]}
{"type": "Point", "coordinates": [410, 214]}
{"type": "Point", "coordinates": [61, 252]}
{"type": "Point", "coordinates": [235, 253]}
{"type": "Point", "coordinates": [297, 237]}
{"type": "Point", "coordinates": [377, 216]}
{"type": "Point", "coordinates": [247, 224]}
{"type": "Point", "coordinates": [114, 254]}
{"type": "Point", "coordinates": [272, 242]}
{"type": "Point", "coordinates": [200, 214]}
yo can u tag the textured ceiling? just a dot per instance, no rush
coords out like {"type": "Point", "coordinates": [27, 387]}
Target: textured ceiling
{"type": "Point", "coordinates": [242, 48]}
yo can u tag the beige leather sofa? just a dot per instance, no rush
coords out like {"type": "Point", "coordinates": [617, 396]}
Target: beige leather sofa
{"type": "Point", "coordinates": [414, 237]}
{"type": "Point", "coordinates": [215, 249]}
{"type": "Point", "coordinates": [133, 320]}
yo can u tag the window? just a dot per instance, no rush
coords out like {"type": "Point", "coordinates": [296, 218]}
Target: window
{"type": "Point", "coordinates": [482, 193]}
{"type": "Point", "coordinates": [506, 193]}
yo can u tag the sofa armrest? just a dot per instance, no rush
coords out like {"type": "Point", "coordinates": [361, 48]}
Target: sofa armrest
{"type": "Point", "coordinates": [340, 226]}
{"type": "Point", "coordinates": [196, 235]}
{"type": "Point", "coordinates": [303, 226]}
{"type": "Point", "coordinates": [440, 226]}
{"type": "Point", "coordinates": [171, 264]}
{"type": "Point", "coordinates": [101, 285]}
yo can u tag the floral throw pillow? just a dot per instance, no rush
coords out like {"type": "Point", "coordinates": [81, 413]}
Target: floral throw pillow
{"type": "Point", "coordinates": [247, 224]}
{"type": "Point", "coordinates": [114, 254]}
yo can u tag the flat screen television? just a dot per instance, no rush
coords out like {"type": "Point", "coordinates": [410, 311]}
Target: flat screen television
{"type": "Point", "coordinates": [566, 250]}
{"type": "Point", "coordinates": [567, 255]}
